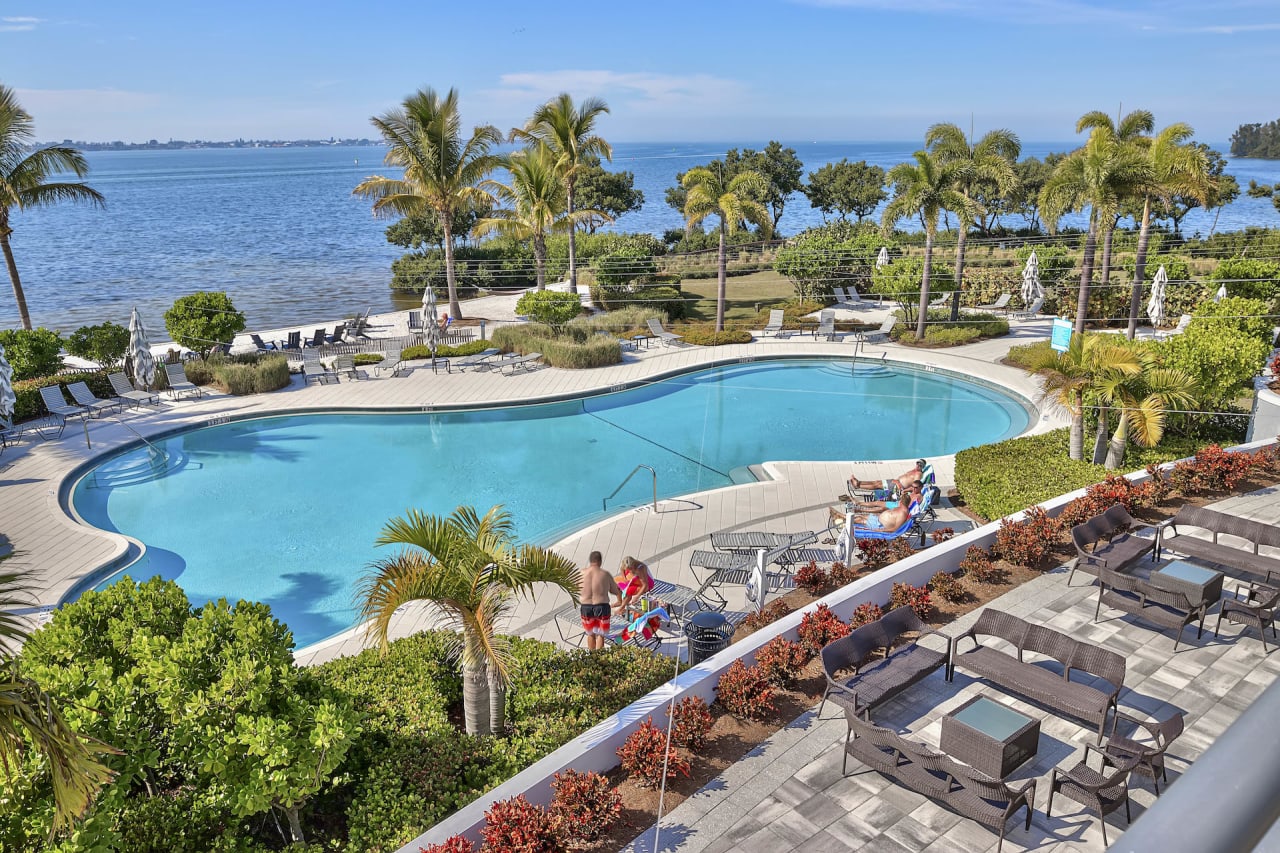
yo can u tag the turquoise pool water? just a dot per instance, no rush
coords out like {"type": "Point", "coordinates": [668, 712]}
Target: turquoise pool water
{"type": "Point", "coordinates": [285, 509]}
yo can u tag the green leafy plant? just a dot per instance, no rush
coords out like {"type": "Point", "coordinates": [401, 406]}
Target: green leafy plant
{"type": "Point", "coordinates": [558, 349]}
{"type": "Point", "coordinates": [1002, 478]}
{"type": "Point", "coordinates": [745, 692]}
{"type": "Point", "coordinates": [204, 319]}
{"type": "Point", "coordinates": [364, 359]}
{"type": "Point", "coordinates": [421, 351]}
{"type": "Point", "coordinates": [780, 661]}
{"type": "Point", "coordinates": [643, 753]}
{"type": "Point", "coordinates": [32, 353]}
{"type": "Point", "coordinates": [550, 307]}
{"type": "Point", "coordinates": [707, 336]}
{"type": "Point", "coordinates": [692, 723]}
{"type": "Point", "coordinates": [105, 344]}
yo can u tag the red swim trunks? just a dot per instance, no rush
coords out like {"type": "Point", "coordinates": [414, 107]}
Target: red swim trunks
{"type": "Point", "coordinates": [595, 619]}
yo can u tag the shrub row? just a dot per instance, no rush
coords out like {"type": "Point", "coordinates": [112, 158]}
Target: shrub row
{"type": "Point", "coordinates": [707, 336]}
{"type": "Point", "coordinates": [1002, 478]}
{"type": "Point", "coordinates": [251, 373]}
{"type": "Point", "coordinates": [422, 351]}
{"type": "Point", "coordinates": [558, 350]}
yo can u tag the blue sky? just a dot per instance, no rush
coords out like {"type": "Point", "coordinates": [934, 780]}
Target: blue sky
{"type": "Point", "coordinates": [693, 70]}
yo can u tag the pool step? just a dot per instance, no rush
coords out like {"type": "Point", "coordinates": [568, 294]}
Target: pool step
{"type": "Point", "coordinates": [152, 465]}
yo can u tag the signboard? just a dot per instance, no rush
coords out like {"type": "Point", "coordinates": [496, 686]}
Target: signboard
{"type": "Point", "coordinates": [1061, 339]}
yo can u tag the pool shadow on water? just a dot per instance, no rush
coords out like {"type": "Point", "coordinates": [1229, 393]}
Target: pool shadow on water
{"type": "Point", "coordinates": [250, 444]}
{"type": "Point", "coordinates": [294, 607]}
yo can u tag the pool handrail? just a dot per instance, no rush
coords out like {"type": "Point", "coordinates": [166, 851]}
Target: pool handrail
{"type": "Point", "coordinates": [604, 504]}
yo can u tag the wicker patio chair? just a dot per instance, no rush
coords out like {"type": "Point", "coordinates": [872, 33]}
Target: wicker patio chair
{"type": "Point", "coordinates": [1150, 755]}
{"type": "Point", "coordinates": [1092, 789]}
{"type": "Point", "coordinates": [1257, 607]}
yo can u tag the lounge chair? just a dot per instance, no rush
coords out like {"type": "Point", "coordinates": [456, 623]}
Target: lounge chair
{"type": "Point", "coordinates": [827, 326]}
{"type": "Point", "coordinates": [1031, 311]}
{"type": "Point", "coordinates": [415, 323]}
{"type": "Point", "coordinates": [125, 391]}
{"type": "Point", "coordinates": [9, 432]}
{"type": "Point", "coordinates": [317, 338]}
{"type": "Point", "coordinates": [880, 334]}
{"type": "Point", "coordinates": [999, 305]}
{"type": "Point", "coordinates": [178, 384]}
{"type": "Point", "coordinates": [479, 360]}
{"type": "Point", "coordinates": [913, 524]}
{"type": "Point", "coordinates": [83, 396]}
{"type": "Point", "coordinates": [392, 360]}
{"type": "Point", "coordinates": [838, 296]}
{"type": "Point", "coordinates": [294, 341]}
{"type": "Point", "coordinates": [262, 345]}
{"type": "Point", "coordinates": [519, 362]}
{"type": "Point", "coordinates": [1183, 322]}
{"type": "Point", "coordinates": [941, 301]}
{"type": "Point", "coordinates": [776, 318]}
{"type": "Point", "coordinates": [57, 406]}
{"type": "Point", "coordinates": [667, 338]}
{"type": "Point", "coordinates": [345, 365]}
{"type": "Point", "coordinates": [339, 333]}
{"type": "Point", "coordinates": [315, 370]}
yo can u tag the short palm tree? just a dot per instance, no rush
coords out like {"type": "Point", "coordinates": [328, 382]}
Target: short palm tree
{"type": "Point", "coordinates": [441, 171]}
{"type": "Point", "coordinates": [925, 189]}
{"type": "Point", "coordinates": [1144, 399]}
{"type": "Point", "coordinates": [1069, 376]}
{"type": "Point", "coordinates": [568, 130]}
{"type": "Point", "coordinates": [29, 717]}
{"type": "Point", "coordinates": [468, 570]}
{"type": "Point", "coordinates": [536, 199]}
{"type": "Point", "coordinates": [733, 201]}
{"type": "Point", "coordinates": [24, 180]}
{"type": "Point", "coordinates": [989, 160]}
{"type": "Point", "coordinates": [1098, 176]}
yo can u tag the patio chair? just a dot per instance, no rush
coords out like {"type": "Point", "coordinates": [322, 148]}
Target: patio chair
{"type": "Point", "coordinates": [524, 362]}
{"type": "Point", "coordinates": [1183, 322]}
{"type": "Point", "coordinates": [317, 338]}
{"type": "Point", "coordinates": [853, 298]}
{"type": "Point", "coordinates": [1256, 608]}
{"type": "Point", "coordinates": [480, 359]}
{"type": "Point", "coordinates": [125, 391]}
{"type": "Point", "coordinates": [999, 305]}
{"type": "Point", "coordinates": [83, 396]}
{"type": "Point", "coordinates": [415, 323]}
{"type": "Point", "coordinates": [840, 297]}
{"type": "Point", "coordinates": [345, 365]}
{"type": "Point", "coordinates": [178, 384]}
{"type": "Point", "coordinates": [1103, 794]}
{"type": "Point", "coordinates": [339, 334]}
{"type": "Point", "coordinates": [9, 432]}
{"type": "Point", "coordinates": [263, 346]}
{"type": "Point", "coordinates": [827, 326]}
{"type": "Point", "coordinates": [315, 370]}
{"type": "Point", "coordinates": [1150, 755]}
{"type": "Point", "coordinates": [941, 301]}
{"type": "Point", "coordinates": [1030, 313]}
{"type": "Point", "coordinates": [776, 319]}
{"type": "Point", "coordinates": [667, 338]}
{"type": "Point", "coordinates": [56, 404]}
{"type": "Point", "coordinates": [393, 360]}
{"type": "Point", "coordinates": [880, 334]}
{"type": "Point", "coordinates": [914, 523]}
{"type": "Point", "coordinates": [294, 341]}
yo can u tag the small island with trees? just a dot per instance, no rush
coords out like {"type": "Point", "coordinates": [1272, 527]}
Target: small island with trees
{"type": "Point", "coordinates": [1257, 140]}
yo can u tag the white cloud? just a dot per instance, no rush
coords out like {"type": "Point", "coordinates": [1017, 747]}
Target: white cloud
{"type": "Point", "coordinates": [1232, 29]}
{"type": "Point", "coordinates": [632, 91]}
{"type": "Point", "coordinates": [1009, 11]}
{"type": "Point", "coordinates": [18, 24]}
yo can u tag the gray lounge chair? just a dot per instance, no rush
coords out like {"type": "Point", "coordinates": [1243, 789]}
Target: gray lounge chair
{"type": "Point", "coordinates": [345, 365]}
{"type": "Point", "coordinates": [667, 338]}
{"type": "Point", "coordinates": [83, 396]}
{"type": "Point", "coordinates": [9, 432]}
{"type": "Point", "coordinates": [1183, 322]}
{"type": "Point", "coordinates": [841, 298]}
{"type": "Point", "coordinates": [999, 305]}
{"type": "Point", "coordinates": [178, 384]}
{"type": "Point", "coordinates": [880, 334]}
{"type": "Point", "coordinates": [941, 301]}
{"type": "Point", "coordinates": [1032, 310]}
{"type": "Point", "coordinates": [827, 326]}
{"type": "Point", "coordinates": [776, 319]}
{"type": "Point", "coordinates": [315, 370]}
{"type": "Point", "coordinates": [479, 360]}
{"type": "Point", "coordinates": [57, 406]}
{"type": "Point", "coordinates": [125, 391]}
{"type": "Point", "coordinates": [338, 336]}
{"type": "Point", "coordinates": [317, 338]}
{"type": "Point", "coordinates": [263, 346]}
{"type": "Point", "coordinates": [415, 323]}
{"type": "Point", "coordinates": [392, 360]}
{"type": "Point", "coordinates": [519, 362]}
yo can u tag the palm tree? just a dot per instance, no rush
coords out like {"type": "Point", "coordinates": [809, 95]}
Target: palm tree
{"type": "Point", "coordinates": [733, 202]}
{"type": "Point", "coordinates": [925, 189]}
{"type": "Point", "coordinates": [30, 717]}
{"type": "Point", "coordinates": [1144, 399]}
{"type": "Point", "coordinates": [989, 160]}
{"type": "Point", "coordinates": [1174, 167]}
{"type": "Point", "coordinates": [24, 180]}
{"type": "Point", "coordinates": [441, 172]}
{"type": "Point", "coordinates": [469, 571]}
{"type": "Point", "coordinates": [1098, 176]}
{"type": "Point", "coordinates": [536, 196]}
{"type": "Point", "coordinates": [1068, 376]}
{"type": "Point", "coordinates": [567, 130]}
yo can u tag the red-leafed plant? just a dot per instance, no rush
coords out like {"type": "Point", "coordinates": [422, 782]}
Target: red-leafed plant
{"type": "Point", "coordinates": [947, 587]}
{"type": "Point", "coordinates": [977, 565]}
{"type": "Point", "coordinates": [781, 660]}
{"type": "Point", "coordinates": [452, 844]}
{"type": "Point", "coordinates": [643, 753]}
{"type": "Point", "coordinates": [772, 612]}
{"type": "Point", "coordinates": [518, 826]}
{"type": "Point", "coordinates": [864, 614]}
{"type": "Point", "coordinates": [819, 627]}
{"type": "Point", "coordinates": [842, 575]}
{"type": "Point", "coordinates": [1026, 542]}
{"type": "Point", "coordinates": [692, 723]}
{"type": "Point", "coordinates": [942, 534]}
{"type": "Point", "coordinates": [915, 597]}
{"type": "Point", "coordinates": [745, 692]}
{"type": "Point", "coordinates": [584, 805]}
{"type": "Point", "coordinates": [812, 578]}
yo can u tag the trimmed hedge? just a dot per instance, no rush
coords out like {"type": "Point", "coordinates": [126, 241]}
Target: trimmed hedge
{"type": "Point", "coordinates": [422, 351]}
{"type": "Point", "coordinates": [707, 336]}
{"type": "Point", "coordinates": [1008, 476]}
{"type": "Point", "coordinates": [240, 375]}
{"type": "Point", "coordinates": [29, 405]}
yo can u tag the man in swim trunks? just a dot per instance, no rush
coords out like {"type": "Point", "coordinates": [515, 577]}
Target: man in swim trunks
{"type": "Point", "coordinates": [889, 519]}
{"type": "Point", "coordinates": [593, 602]}
{"type": "Point", "coordinates": [901, 484]}
{"type": "Point", "coordinates": [911, 496]}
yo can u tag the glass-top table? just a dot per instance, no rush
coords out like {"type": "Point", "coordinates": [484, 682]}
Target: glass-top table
{"type": "Point", "coordinates": [990, 737]}
{"type": "Point", "coordinates": [1199, 584]}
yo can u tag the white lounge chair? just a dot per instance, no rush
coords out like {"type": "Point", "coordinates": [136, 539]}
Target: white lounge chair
{"type": "Point", "coordinates": [941, 301]}
{"type": "Point", "coordinates": [519, 362]}
{"type": "Point", "coordinates": [393, 360]}
{"type": "Point", "coordinates": [827, 326]}
{"type": "Point", "coordinates": [841, 298]}
{"type": "Point", "coordinates": [667, 338]}
{"type": "Point", "coordinates": [1032, 310]}
{"type": "Point", "coordinates": [83, 396]}
{"type": "Point", "coordinates": [880, 334]}
{"type": "Point", "coordinates": [345, 365]}
{"type": "Point", "coordinates": [1183, 322]}
{"type": "Point", "coordinates": [999, 305]}
{"type": "Point", "coordinates": [315, 370]}
{"type": "Point", "coordinates": [59, 411]}
{"type": "Point", "coordinates": [776, 318]}
{"type": "Point", "coordinates": [125, 391]}
{"type": "Point", "coordinates": [178, 384]}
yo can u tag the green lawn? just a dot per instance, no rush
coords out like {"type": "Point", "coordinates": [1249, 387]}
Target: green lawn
{"type": "Point", "coordinates": [743, 293]}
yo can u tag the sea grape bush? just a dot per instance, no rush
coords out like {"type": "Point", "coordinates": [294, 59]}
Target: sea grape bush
{"type": "Point", "coordinates": [864, 614]}
{"type": "Point", "coordinates": [745, 692]}
{"type": "Point", "coordinates": [812, 578]}
{"type": "Point", "coordinates": [643, 754]}
{"type": "Point", "coordinates": [583, 806]}
{"type": "Point", "coordinates": [819, 627]}
{"type": "Point", "coordinates": [692, 723]}
{"type": "Point", "coordinates": [915, 597]}
{"type": "Point", "coordinates": [781, 660]}
{"type": "Point", "coordinates": [518, 826]}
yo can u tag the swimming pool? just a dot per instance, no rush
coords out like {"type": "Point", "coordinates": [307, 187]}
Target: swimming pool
{"type": "Point", "coordinates": [285, 509]}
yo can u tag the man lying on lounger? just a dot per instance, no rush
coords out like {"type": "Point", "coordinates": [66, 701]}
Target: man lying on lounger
{"type": "Point", "coordinates": [889, 519]}
{"type": "Point", "coordinates": [910, 497]}
{"type": "Point", "coordinates": [901, 484]}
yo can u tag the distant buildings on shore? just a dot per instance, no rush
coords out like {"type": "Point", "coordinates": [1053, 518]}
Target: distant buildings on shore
{"type": "Point", "coordinates": [178, 144]}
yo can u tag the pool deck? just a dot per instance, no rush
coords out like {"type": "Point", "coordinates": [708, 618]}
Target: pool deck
{"type": "Point", "coordinates": [58, 551]}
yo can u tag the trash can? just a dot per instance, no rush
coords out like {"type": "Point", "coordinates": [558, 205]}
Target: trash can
{"type": "Point", "coordinates": [708, 633]}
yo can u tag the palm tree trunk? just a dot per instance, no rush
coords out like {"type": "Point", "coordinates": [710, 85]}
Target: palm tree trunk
{"type": "Point", "coordinates": [573, 243]}
{"type": "Point", "coordinates": [295, 825]}
{"type": "Point", "coordinates": [1075, 447]}
{"type": "Point", "coordinates": [18, 295]}
{"type": "Point", "coordinates": [497, 707]}
{"type": "Point", "coordinates": [924, 283]}
{"type": "Point", "coordinates": [1104, 277]}
{"type": "Point", "coordinates": [722, 263]}
{"type": "Point", "coordinates": [1100, 437]}
{"type": "Point", "coordinates": [450, 276]}
{"type": "Point", "coordinates": [1086, 271]}
{"type": "Point", "coordinates": [475, 700]}
{"type": "Point", "coordinates": [955, 297]}
{"type": "Point", "coordinates": [1139, 269]}
{"type": "Point", "coordinates": [1119, 442]}
{"type": "Point", "coordinates": [540, 260]}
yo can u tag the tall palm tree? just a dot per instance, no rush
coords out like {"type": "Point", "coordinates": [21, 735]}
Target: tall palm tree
{"type": "Point", "coordinates": [30, 717]}
{"type": "Point", "coordinates": [1174, 167]}
{"type": "Point", "coordinates": [469, 571]}
{"type": "Point", "coordinates": [989, 160]}
{"type": "Point", "coordinates": [441, 171]}
{"type": "Point", "coordinates": [733, 201]}
{"type": "Point", "coordinates": [925, 189]}
{"type": "Point", "coordinates": [24, 180]}
{"type": "Point", "coordinates": [1144, 399]}
{"type": "Point", "coordinates": [567, 129]}
{"type": "Point", "coordinates": [1097, 176]}
{"type": "Point", "coordinates": [536, 196]}
{"type": "Point", "coordinates": [1069, 376]}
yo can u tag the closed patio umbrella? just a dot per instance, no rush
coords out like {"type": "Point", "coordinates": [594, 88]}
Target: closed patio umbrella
{"type": "Point", "coordinates": [430, 325]}
{"type": "Point", "coordinates": [1031, 289]}
{"type": "Point", "coordinates": [144, 364]}
{"type": "Point", "coordinates": [1221, 294]}
{"type": "Point", "coordinates": [882, 260]}
{"type": "Point", "coordinates": [7, 398]}
{"type": "Point", "coordinates": [1155, 306]}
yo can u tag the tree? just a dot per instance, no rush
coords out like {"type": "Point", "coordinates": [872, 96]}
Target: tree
{"type": "Point", "coordinates": [202, 320]}
{"type": "Point", "coordinates": [441, 171]}
{"type": "Point", "coordinates": [30, 718]}
{"type": "Point", "coordinates": [32, 352]}
{"type": "Point", "coordinates": [105, 344]}
{"type": "Point", "coordinates": [1271, 191]}
{"type": "Point", "coordinates": [779, 166]}
{"type": "Point", "coordinates": [1257, 140]}
{"type": "Point", "coordinates": [1032, 174]}
{"type": "Point", "coordinates": [990, 160]}
{"type": "Point", "coordinates": [418, 230]}
{"type": "Point", "coordinates": [821, 258]}
{"type": "Point", "coordinates": [1221, 189]}
{"type": "Point", "coordinates": [1068, 376]}
{"type": "Point", "coordinates": [1144, 399]}
{"type": "Point", "coordinates": [924, 190]}
{"type": "Point", "coordinates": [1223, 348]}
{"type": "Point", "coordinates": [468, 570]}
{"type": "Point", "coordinates": [1252, 278]}
{"type": "Point", "coordinates": [845, 187]}
{"type": "Point", "coordinates": [25, 180]}
{"type": "Point", "coordinates": [568, 131]}
{"type": "Point", "coordinates": [732, 200]}
{"type": "Point", "coordinates": [900, 281]}
{"type": "Point", "coordinates": [613, 193]}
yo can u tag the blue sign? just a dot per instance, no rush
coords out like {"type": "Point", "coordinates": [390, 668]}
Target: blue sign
{"type": "Point", "coordinates": [1061, 339]}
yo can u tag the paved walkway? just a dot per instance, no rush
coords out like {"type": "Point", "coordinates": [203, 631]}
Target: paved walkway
{"type": "Point", "coordinates": [59, 551]}
{"type": "Point", "coordinates": [790, 795]}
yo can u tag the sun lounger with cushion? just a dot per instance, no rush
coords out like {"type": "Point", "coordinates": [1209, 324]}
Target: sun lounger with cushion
{"type": "Point", "coordinates": [125, 390]}
{"type": "Point", "coordinates": [178, 384]}
{"type": "Point", "coordinates": [83, 396]}
{"type": "Point", "coordinates": [667, 338]}
{"type": "Point", "coordinates": [880, 334]}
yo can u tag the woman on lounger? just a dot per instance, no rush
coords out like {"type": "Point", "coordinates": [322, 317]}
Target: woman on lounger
{"type": "Point", "coordinates": [634, 582]}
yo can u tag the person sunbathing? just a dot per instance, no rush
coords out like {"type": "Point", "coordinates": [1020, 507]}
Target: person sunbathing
{"type": "Point", "coordinates": [890, 519]}
{"type": "Point", "coordinates": [911, 497]}
{"type": "Point", "coordinates": [900, 484]}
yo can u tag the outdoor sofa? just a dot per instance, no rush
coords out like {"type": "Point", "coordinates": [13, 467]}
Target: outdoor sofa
{"type": "Point", "coordinates": [872, 681]}
{"type": "Point", "coordinates": [1104, 542]}
{"type": "Point", "coordinates": [1218, 523]}
{"type": "Point", "coordinates": [1046, 678]}
{"type": "Point", "coordinates": [1141, 598]}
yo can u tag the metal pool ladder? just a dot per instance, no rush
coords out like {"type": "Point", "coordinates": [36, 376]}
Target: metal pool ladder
{"type": "Point", "coordinates": [604, 504]}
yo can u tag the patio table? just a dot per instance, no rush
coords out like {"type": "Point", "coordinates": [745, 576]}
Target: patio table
{"type": "Point", "coordinates": [990, 737]}
{"type": "Point", "coordinates": [1199, 584]}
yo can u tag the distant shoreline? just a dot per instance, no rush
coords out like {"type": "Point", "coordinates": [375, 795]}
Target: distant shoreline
{"type": "Point", "coordinates": [192, 145]}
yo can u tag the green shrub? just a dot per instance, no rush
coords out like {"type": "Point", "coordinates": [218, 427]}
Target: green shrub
{"type": "Point", "coordinates": [558, 350]}
{"type": "Point", "coordinates": [668, 300]}
{"type": "Point", "coordinates": [422, 351]}
{"type": "Point", "coordinates": [202, 319]}
{"type": "Point", "coordinates": [624, 322]}
{"type": "Point", "coordinates": [366, 358]}
{"type": "Point", "coordinates": [32, 352]}
{"type": "Point", "coordinates": [29, 405]}
{"type": "Point", "coordinates": [707, 336]}
{"type": "Point", "coordinates": [950, 337]}
{"type": "Point", "coordinates": [1008, 476]}
{"type": "Point", "coordinates": [105, 344]}
{"type": "Point", "coordinates": [1223, 348]}
{"type": "Point", "coordinates": [549, 306]}
{"type": "Point", "coordinates": [1025, 355]}
{"type": "Point", "coordinates": [1252, 278]}
{"type": "Point", "coordinates": [252, 373]}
